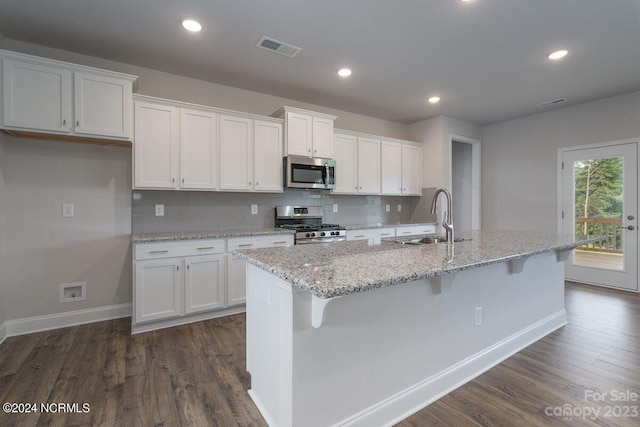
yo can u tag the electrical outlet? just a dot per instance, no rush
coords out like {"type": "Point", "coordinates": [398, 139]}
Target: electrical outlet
{"type": "Point", "coordinates": [399, 208]}
{"type": "Point", "coordinates": [68, 210]}
{"type": "Point", "coordinates": [254, 209]}
{"type": "Point", "coordinates": [335, 208]}
{"type": "Point", "coordinates": [159, 210]}
{"type": "Point", "coordinates": [387, 208]}
{"type": "Point", "coordinates": [478, 316]}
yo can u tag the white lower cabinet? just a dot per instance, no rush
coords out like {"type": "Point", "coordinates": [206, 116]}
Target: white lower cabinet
{"type": "Point", "coordinates": [184, 281]}
{"type": "Point", "coordinates": [236, 267]}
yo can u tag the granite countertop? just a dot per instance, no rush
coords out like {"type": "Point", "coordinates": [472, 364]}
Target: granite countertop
{"type": "Point", "coordinates": [335, 269]}
{"type": "Point", "coordinates": [365, 226]}
{"type": "Point", "coordinates": [213, 234]}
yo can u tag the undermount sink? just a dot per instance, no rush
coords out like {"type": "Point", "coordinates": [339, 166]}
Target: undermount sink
{"type": "Point", "coordinates": [430, 240]}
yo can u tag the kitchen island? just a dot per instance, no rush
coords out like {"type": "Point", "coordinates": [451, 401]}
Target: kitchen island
{"type": "Point", "coordinates": [357, 333]}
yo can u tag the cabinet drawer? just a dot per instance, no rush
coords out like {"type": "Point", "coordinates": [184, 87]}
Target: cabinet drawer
{"type": "Point", "coordinates": [415, 229]}
{"type": "Point", "coordinates": [256, 242]}
{"type": "Point", "coordinates": [181, 248]}
{"type": "Point", "coordinates": [370, 233]}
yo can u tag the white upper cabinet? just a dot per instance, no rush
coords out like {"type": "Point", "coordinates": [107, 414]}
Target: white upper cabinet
{"type": "Point", "coordinates": [391, 167]}
{"type": "Point", "coordinates": [37, 97]}
{"type": "Point", "coordinates": [267, 158]}
{"type": "Point", "coordinates": [236, 137]}
{"type": "Point", "coordinates": [368, 165]}
{"type": "Point", "coordinates": [307, 133]}
{"type": "Point", "coordinates": [102, 106]}
{"type": "Point", "coordinates": [43, 96]}
{"type": "Point", "coordinates": [345, 153]}
{"type": "Point", "coordinates": [411, 170]}
{"type": "Point", "coordinates": [198, 149]}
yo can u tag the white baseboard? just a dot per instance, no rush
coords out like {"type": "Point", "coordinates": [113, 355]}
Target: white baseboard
{"type": "Point", "coordinates": [62, 320]}
{"type": "Point", "coordinates": [422, 394]}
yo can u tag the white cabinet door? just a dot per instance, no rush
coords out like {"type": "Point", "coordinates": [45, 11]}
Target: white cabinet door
{"type": "Point", "coordinates": [368, 165]}
{"type": "Point", "coordinates": [236, 137]}
{"type": "Point", "coordinates": [102, 106]}
{"type": "Point", "coordinates": [411, 170]}
{"type": "Point", "coordinates": [391, 167]}
{"type": "Point", "coordinates": [322, 139]}
{"type": "Point", "coordinates": [37, 97]}
{"type": "Point", "coordinates": [299, 134]}
{"type": "Point", "coordinates": [236, 280]}
{"type": "Point", "coordinates": [198, 150]}
{"type": "Point", "coordinates": [156, 146]}
{"type": "Point", "coordinates": [204, 283]}
{"type": "Point", "coordinates": [158, 288]}
{"type": "Point", "coordinates": [267, 156]}
{"type": "Point", "coordinates": [345, 154]}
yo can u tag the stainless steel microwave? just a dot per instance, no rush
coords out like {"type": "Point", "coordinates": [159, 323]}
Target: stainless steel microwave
{"type": "Point", "coordinates": [309, 173]}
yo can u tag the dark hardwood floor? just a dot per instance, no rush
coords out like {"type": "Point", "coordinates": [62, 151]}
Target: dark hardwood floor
{"type": "Point", "coordinates": [194, 375]}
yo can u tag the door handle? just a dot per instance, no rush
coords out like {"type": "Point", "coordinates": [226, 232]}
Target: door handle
{"type": "Point", "coordinates": [631, 217]}
{"type": "Point", "coordinates": [630, 227]}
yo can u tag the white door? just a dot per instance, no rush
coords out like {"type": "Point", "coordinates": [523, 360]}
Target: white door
{"type": "Point", "coordinates": [157, 289]}
{"type": "Point", "coordinates": [599, 197]}
{"type": "Point", "coordinates": [102, 106]}
{"type": "Point", "coordinates": [198, 150]}
{"type": "Point", "coordinates": [37, 97]}
{"type": "Point", "coordinates": [345, 153]}
{"type": "Point", "coordinates": [411, 170]}
{"type": "Point", "coordinates": [368, 166]}
{"type": "Point", "coordinates": [268, 156]}
{"type": "Point", "coordinates": [322, 138]}
{"type": "Point", "coordinates": [391, 167]}
{"type": "Point", "coordinates": [156, 146]}
{"type": "Point", "coordinates": [236, 157]}
{"type": "Point", "coordinates": [204, 283]}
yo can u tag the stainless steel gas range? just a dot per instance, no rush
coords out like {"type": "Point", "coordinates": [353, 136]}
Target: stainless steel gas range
{"type": "Point", "coordinates": [307, 221]}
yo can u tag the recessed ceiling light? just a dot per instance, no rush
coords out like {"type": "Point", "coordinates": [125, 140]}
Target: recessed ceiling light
{"type": "Point", "coordinates": [466, 1]}
{"type": "Point", "coordinates": [434, 99]}
{"type": "Point", "coordinates": [344, 72]}
{"type": "Point", "coordinates": [558, 54]}
{"type": "Point", "coordinates": [191, 24]}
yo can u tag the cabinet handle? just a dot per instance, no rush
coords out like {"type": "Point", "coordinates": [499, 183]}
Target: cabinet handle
{"type": "Point", "coordinates": [246, 245]}
{"type": "Point", "coordinates": [257, 183]}
{"type": "Point", "coordinates": [159, 252]}
{"type": "Point", "coordinates": [385, 234]}
{"type": "Point", "coordinates": [173, 180]}
{"type": "Point", "coordinates": [360, 235]}
{"type": "Point", "coordinates": [64, 121]}
{"type": "Point", "coordinates": [77, 122]}
{"type": "Point", "coordinates": [249, 182]}
{"type": "Point", "coordinates": [183, 180]}
{"type": "Point", "coordinates": [177, 267]}
{"type": "Point", "coordinates": [188, 267]}
{"type": "Point", "coordinates": [405, 232]}
{"type": "Point", "coordinates": [205, 248]}
{"type": "Point", "coordinates": [280, 243]}
{"type": "Point", "coordinates": [359, 188]}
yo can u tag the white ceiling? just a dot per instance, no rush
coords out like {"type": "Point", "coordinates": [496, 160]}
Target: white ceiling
{"type": "Point", "coordinates": [487, 59]}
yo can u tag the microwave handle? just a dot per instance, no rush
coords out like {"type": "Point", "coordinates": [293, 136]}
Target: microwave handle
{"type": "Point", "coordinates": [326, 175]}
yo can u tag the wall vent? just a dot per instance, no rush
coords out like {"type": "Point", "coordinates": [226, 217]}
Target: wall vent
{"type": "Point", "coordinates": [551, 103]}
{"type": "Point", "coordinates": [277, 46]}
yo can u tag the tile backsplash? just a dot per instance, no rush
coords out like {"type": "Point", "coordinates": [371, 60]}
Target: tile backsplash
{"type": "Point", "coordinates": [201, 211]}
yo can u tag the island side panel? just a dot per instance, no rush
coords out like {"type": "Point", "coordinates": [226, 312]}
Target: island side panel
{"type": "Point", "coordinates": [383, 354]}
{"type": "Point", "coordinates": [269, 345]}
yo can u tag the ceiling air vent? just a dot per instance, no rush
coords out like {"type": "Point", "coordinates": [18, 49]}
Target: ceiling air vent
{"type": "Point", "coordinates": [276, 46]}
{"type": "Point", "coordinates": [552, 103]}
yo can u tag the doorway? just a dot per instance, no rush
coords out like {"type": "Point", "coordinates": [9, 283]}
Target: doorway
{"type": "Point", "coordinates": [465, 182]}
{"type": "Point", "coordinates": [598, 196]}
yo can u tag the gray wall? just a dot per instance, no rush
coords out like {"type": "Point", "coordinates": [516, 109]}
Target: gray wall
{"type": "Point", "coordinates": [197, 211]}
{"type": "Point", "coordinates": [43, 250]}
{"type": "Point", "coordinates": [519, 158]}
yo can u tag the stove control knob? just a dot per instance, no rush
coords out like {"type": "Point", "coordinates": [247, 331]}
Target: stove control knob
{"type": "Point", "coordinates": [322, 234]}
{"type": "Point", "coordinates": [307, 235]}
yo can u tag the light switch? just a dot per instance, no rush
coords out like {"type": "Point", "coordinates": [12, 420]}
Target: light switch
{"type": "Point", "coordinates": [159, 210]}
{"type": "Point", "coordinates": [68, 210]}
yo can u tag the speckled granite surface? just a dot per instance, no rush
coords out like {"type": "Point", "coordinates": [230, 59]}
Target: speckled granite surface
{"type": "Point", "coordinates": [365, 226]}
{"type": "Point", "coordinates": [214, 234]}
{"type": "Point", "coordinates": [335, 269]}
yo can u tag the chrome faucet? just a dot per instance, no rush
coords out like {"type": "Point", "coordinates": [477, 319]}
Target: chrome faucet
{"type": "Point", "coordinates": [447, 218]}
